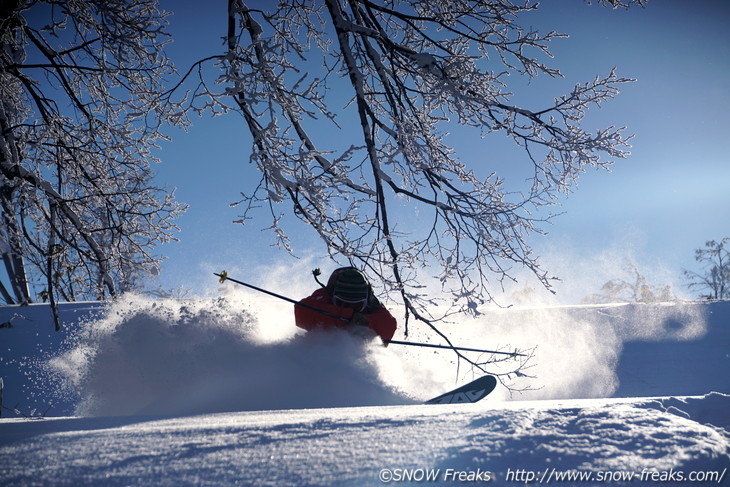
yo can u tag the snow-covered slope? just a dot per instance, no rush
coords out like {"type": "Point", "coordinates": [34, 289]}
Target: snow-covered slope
{"type": "Point", "coordinates": [516, 442]}
{"type": "Point", "coordinates": [148, 383]}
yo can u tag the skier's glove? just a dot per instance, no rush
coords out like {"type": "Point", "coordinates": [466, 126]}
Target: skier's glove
{"type": "Point", "coordinates": [359, 319]}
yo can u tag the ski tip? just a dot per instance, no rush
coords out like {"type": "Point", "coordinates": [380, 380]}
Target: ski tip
{"type": "Point", "coordinates": [474, 391]}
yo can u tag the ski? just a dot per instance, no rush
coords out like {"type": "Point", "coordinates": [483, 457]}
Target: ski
{"type": "Point", "coordinates": [474, 391]}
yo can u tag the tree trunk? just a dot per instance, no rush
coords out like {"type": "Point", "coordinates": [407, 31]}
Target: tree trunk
{"type": "Point", "coordinates": [12, 253]}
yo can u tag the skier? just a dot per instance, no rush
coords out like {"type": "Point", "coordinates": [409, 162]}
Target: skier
{"type": "Point", "coordinates": [347, 294]}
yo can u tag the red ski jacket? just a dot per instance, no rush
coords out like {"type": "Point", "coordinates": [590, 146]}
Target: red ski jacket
{"type": "Point", "coordinates": [380, 319]}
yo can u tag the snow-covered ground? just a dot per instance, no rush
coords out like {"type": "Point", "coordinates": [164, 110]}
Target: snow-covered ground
{"type": "Point", "coordinates": [221, 392]}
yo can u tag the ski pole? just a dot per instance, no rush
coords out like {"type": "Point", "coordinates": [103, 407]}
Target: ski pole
{"type": "Point", "coordinates": [224, 277]}
{"type": "Point", "coordinates": [447, 347]}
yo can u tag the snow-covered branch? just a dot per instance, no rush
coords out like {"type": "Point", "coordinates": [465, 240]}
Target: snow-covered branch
{"type": "Point", "coordinates": [81, 111]}
{"type": "Point", "coordinates": [413, 72]}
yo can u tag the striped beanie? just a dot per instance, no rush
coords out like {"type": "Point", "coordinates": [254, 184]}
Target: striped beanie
{"type": "Point", "coordinates": [351, 286]}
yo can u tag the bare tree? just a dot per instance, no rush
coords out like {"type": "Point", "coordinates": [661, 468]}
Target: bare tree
{"type": "Point", "coordinates": [715, 279]}
{"type": "Point", "coordinates": [409, 71]}
{"type": "Point", "coordinates": [80, 112]}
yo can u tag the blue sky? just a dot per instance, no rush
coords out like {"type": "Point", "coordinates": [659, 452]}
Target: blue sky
{"type": "Point", "coordinates": [669, 197]}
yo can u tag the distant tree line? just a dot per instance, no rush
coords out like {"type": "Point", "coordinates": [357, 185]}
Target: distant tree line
{"type": "Point", "coordinates": [712, 281]}
{"type": "Point", "coordinates": [634, 288]}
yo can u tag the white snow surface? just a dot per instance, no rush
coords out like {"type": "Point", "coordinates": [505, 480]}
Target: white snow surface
{"type": "Point", "coordinates": [224, 391]}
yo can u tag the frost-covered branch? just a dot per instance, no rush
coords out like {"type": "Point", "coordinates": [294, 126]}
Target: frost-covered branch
{"type": "Point", "coordinates": [81, 111]}
{"type": "Point", "coordinates": [371, 172]}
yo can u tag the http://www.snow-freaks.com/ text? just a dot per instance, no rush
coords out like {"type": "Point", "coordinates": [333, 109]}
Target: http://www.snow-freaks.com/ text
{"type": "Point", "coordinates": [547, 476]}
